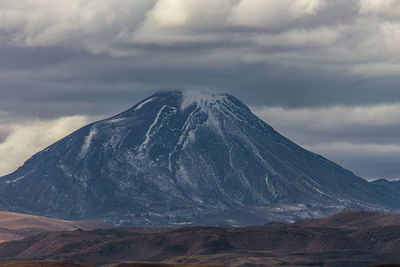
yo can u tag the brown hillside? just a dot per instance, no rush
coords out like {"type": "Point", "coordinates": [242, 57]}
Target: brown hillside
{"type": "Point", "coordinates": [46, 264]}
{"type": "Point", "coordinates": [353, 219]}
{"type": "Point", "coordinates": [334, 241]}
{"type": "Point", "coordinates": [14, 226]}
{"type": "Point", "coordinates": [74, 264]}
{"type": "Point", "coordinates": [151, 264]}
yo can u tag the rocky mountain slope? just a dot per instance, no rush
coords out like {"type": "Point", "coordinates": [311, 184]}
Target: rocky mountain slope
{"type": "Point", "coordinates": [186, 158]}
{"type": "Point", "coordinates": [332, 241]}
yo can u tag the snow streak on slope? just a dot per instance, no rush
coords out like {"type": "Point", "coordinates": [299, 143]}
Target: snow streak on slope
{"type": "Point", "coordinates": [144, 103]}
{"type": "Point", "coordinates": [147, 135]}
{"type": "Point", "coordinates": [87, 142]}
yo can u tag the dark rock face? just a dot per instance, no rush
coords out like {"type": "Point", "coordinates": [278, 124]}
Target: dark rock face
{"type": "Point", "coordinates": [186, 158]}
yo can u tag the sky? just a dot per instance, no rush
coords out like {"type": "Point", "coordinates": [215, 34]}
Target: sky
{"type": "Point", "coordinates": [323, 73]}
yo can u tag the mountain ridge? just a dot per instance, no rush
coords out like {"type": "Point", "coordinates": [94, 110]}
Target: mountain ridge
{"type": "Point", "coordinates": [186, 158]}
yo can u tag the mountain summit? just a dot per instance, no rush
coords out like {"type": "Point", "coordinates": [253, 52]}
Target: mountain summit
{"type": "Point", "coordinates": [186, 158]}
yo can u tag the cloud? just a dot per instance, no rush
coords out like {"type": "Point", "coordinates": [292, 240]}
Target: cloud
{"type": "Point", "coordinates": [23, 139]}
{"type": "Point", "coordinates": [328, 118]}
{"type": "Point", "coordinates": [358, 149]}
{"type": "Point", "coordinates": [272, 14]}
{"type": "Point", "coordinates": [370, 161]}
{"type": "Point", "coordinates": [363, 139]}
{"type": "Point", "coordinates": [376, 124]}
{"type": "Point", "coordinates": [239, 29]}
{"type": "Point", "coordinates": [195, 13]}
{"type": "Point", "coordinates": [48, 23]}
{"type": "Point", "coordinates": [300, 38]}
{"type": "Point", "coordinates": [4, 133]}
{"type": "Point", "coordinates": [383, 8]}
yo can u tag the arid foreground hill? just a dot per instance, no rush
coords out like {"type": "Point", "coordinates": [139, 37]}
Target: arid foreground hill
{"type": "Point", "coordinates": [14, 226]}
{"type": "Point", "coordinates": [71, 264]}
{"type": "Point", "coordinates": [349, 238]}
{"type": "Point", "coordinates": [46, 264]}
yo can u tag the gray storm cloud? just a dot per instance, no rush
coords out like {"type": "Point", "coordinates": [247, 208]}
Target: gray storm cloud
{"type": "Point", "coordinates": [364, 139]}
{"type": "Point", "coordinates": [335, 63]}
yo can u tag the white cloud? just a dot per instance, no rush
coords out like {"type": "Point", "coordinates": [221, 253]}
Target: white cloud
{"type": "Point", "coordinates": [194, 13]}
{"type": "Point", "coordinates": [391, 36]}
{"type": "Point", "coordinates": [382, 8]}
{"type": "Point", "coordinates": [176, 21]}
{"type": "Point", "coordinates": [170, 13]}
{"type": "Point", "coordinates": [49, 23]}
{"type": "Point", "coordinates": [272, 14]}
{"type": "Point", "coordinates": [26, 138]}
{"type": "Point", "coordinates": [364, 41]}
{"type": "Point", "coordinates": [301, 8]}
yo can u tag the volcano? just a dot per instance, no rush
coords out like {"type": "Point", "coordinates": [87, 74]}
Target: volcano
{"type": "Point", "coordinates": [186, 158]}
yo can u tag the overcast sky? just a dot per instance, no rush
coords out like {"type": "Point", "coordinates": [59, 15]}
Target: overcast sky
{"type": "Point", "coordinates": [324, 73]}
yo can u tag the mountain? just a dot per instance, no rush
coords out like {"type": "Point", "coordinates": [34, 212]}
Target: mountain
{"type": "Point", "coordinates": [332, 241]}
{"type": "Point", "coordinates": [186, 158]}
{"type": "Point", "coordinates": [14, 226]}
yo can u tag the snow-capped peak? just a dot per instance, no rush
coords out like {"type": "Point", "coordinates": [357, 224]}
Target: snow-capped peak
{"type": "Point", "coordinates": [184, 156]}
{"type": "Point", "coordinates": [200, 98]}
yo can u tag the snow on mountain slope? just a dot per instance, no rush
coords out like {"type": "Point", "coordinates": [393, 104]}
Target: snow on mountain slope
{"type": "Point", "coordinates": [185, 157]}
